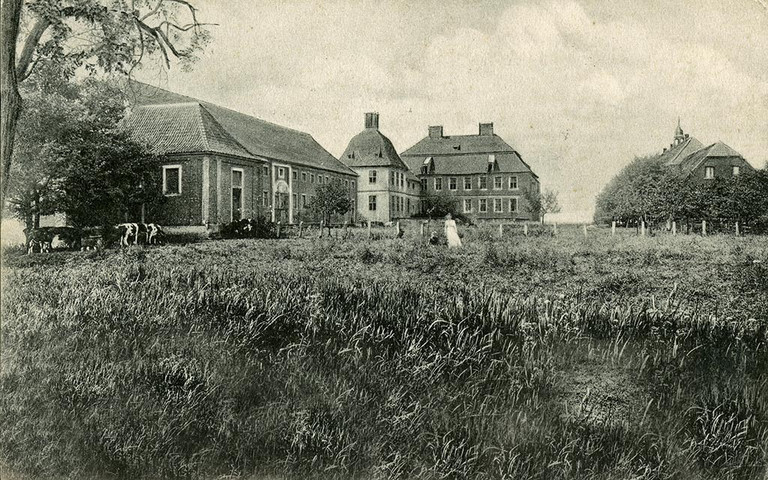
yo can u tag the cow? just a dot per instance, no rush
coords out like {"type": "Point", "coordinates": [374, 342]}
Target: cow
{"type": "Point", "coordinates": [46, 239]}
{"type": "Point", "coordinates": [155, 234]}
{"type": "Point", "coordinates": [128, 232]}
{"type": "Point", "coordinates": [135, 233]}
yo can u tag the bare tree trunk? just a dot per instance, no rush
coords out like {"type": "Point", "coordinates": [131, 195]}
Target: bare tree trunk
{"type": "Point", "coordinates": [10, 13]}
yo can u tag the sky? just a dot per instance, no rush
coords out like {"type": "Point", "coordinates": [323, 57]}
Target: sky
{"type": "Point", "coordinates": [578, 88]}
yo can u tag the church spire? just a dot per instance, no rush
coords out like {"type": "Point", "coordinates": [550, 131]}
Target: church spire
{"type": "Point", "coordinates": [679, 135]}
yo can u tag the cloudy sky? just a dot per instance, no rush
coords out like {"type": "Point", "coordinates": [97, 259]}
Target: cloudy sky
{"type": "Point", "coordinates": [577, 87]}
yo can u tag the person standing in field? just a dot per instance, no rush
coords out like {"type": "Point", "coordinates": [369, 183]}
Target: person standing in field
{"type": "Point", "coordinates": [451, 235]}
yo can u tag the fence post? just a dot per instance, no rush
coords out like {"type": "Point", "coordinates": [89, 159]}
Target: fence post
{"type": "Point", "coordinates": [703, 228]}
{"type": "Point", "coordinates": [501, 230]}
{"type": "Point", "coordinates": [525, 229]}
{"type": "Point", "coordinates": [346, 229]}
{"type": "Point", "coordinates": [301, 229]}
{"type": "Point", "coordinates": [321, 229]}
{"type": "Point", "coordinates": [554, 228]}
{"type": "Point", "coordinates": [397, 228]}
{"type": "Point", "coordinates": [422, 228]}
{"type": "Point", "coordinates": [642, 228]}
{"type": "Point", "coordinates": [674, 227]}
{"type": "Point", "coordinates": [278, 229]}
{"type": "Point", "coordinates": [369, 230]}
{"type": "Point", "coordinates": [737, 229]}
{"type": "Point", "coordinates": [613, 228]}
{"type": "Point", "coordinates": [585, 230]}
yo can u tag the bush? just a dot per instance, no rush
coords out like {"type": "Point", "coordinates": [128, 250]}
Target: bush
{"type": "Point", "coordinates": [258, 227]}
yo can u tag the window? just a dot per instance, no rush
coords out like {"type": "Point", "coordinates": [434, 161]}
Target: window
{"type": "Point", "coordinates": [280, 172]}
{"type": "Point", "coordinates": [295, 176]}
{"type": "Point", "coordinates": [264, 198]}
{"type": "Point", "coordinates": [452, 183]}
{"type": "Point", "coordinates": [709, 173]}
{"type": "Point", "coordinates": [402, 179]}
{"type": "Point", "coordinates": [408, 205]}
{"type": "Point", "coordinates": [311, 178]}
{"type": "Point", "coordinates": [736, 170]}
{"type": "Point", "coordinates": [497, 205]}
{"type": "Point", "coordinates": [237, 194]}
{"type": "Point", "coordinates": [372, 178]}
{"type": "Point", "coordinates": [304, 200]}
{"type": "Point", "coordinates": [353, 184]}
{"type": "Point", "coordinates": [172, 180]}
{"type": "Point", "coordinates": [482, 182]}
{"type": "Point", "coordinates": [497, 183]}
{"type": "Point", "coordinates": [391, 177]}
{"type": "Point", "coordinates": [266, 171]}
{"type": "Point", "coordinates": [372, 202]}
{"type": "Point", "coordinates": [483, 205]}
{"type": "Point", "coordinates": [467, 205]}
{"type": "Point", "coordinates": [346, 184]}
{"type": "Point", "coordinates": [438, 183]}
{"type": "Point", "coordinates": [304, 177]}
{"type": "Point", "coordinates": [424, 184]}
{"type": "Point", "coordinates": [467, 183]}
{"type": "Point", "coordinates": [513, 205]}
{"type": "Point", "coordinates": [513, 183]}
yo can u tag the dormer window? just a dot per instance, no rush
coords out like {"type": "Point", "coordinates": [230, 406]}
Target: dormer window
{"type": "Point", "coordinates": [736, 170]}
{"type": "Point", "coordinates": [428, 166]}
{"type": "Point", "coordinates": [492, 163]}
{"type": "Point", "coordinates": [709, 173]}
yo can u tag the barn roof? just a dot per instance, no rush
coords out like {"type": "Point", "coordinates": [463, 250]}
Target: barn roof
{"type": "Point", "coordinates": [458, 145]}
{"type": "Point", "coordinates": [676, 154]}
{"type": "Point", "coordinates": [509, 162]}
{"type": "Point", "coordinates": [716, 150]}
{"type": "Point", "coordinates": [260, 138]}
{"type": "Point", "coordinates": [182, 128]}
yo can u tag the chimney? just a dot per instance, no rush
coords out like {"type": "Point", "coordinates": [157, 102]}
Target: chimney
{"type": "Point", "coordinates": [372, 120]}
{"type": "Point", "coordinates": [486, 129]}
{"type": "Point", "coordinates": [436, 131]}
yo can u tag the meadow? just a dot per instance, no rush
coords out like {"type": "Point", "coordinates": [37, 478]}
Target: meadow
{"type": "Point", "coordinates": [542, 357]}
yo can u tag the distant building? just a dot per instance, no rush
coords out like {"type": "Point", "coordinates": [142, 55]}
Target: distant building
{"type": "Point", "coordinates": [692, 159]}
{"type": "Point", "coordinates": [485, 175]}
{"type": "Point", "coordinates": [387, 190]}
{"type": "Point", "coordinates": [221, 165]}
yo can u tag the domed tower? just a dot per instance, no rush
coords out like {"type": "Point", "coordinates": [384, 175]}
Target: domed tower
{"type": "Point", "coordinates": [386, 188]}
{"type": "Point", "coordinates": [679, 135]}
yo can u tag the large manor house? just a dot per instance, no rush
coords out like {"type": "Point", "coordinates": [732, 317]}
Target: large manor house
{"type": "Point", "coordinates": [221, 166]}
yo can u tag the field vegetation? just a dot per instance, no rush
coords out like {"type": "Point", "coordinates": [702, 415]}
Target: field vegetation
{"type": "Point", "coordinates": [547, 357]}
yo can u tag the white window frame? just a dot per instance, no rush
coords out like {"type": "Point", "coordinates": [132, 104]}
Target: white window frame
{"type": "Point", "coordinates": [372, 176]}
{"type": "Point", "coordinates": [480, 182]}
{"type": "Point", "coordinates": [514, 186]}
{"type": "Point", "coordinates": [304, 203]}
{"type": "Point", "coordinates": [500, 203]}
{"type": "Point", "coordinates": [480, 203]}
{"type": "Point", "coordinates": [467, 183]}
{"type": "Point", "coordinates": [440, 180]}
{"type": "Point", "coordinates": [500, 182]}
{"type": "Point", "coordinates": [165, 183]}
{"type": "Point", "coordinates": [304, 177]}
{"type": "Point", "coordinates": [372, 202]}
{"type": "Point", "coordinates": [280, 172]}
{"type": "Point", "coordinates": [453, 183]}
{"type": "Point", "coordinates": [707, 170]}
{"type": "Point", "coordinates": [312, 178]}
{"type": "Point", "coordinates": [467, 201]}
{"type": "Point", "coordinates": [516, 202]}
{"type": "Point", "coordinates": [736, 170]}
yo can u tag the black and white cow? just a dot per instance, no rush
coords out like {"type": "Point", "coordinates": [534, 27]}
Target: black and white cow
{"type": "Point", "coordinates": [135, 233]}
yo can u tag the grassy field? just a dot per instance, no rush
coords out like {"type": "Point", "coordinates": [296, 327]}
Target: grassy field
{"type": "Point", "coordinates": [521, 357]}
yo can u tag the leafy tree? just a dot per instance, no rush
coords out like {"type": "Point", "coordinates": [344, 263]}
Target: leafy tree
{"type": "Point", "coordinates": [98, 35]}
{"type": "Point", "coordinates": [539, 204]}
{"type": "Point", "coordinates": [440, 205]}
{"type": "Point", "coordinates": [331, 199]}
{"type": "Point", "coordinates": [73, 157]}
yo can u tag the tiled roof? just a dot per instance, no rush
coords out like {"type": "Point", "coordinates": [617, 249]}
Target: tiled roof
{"type": "Point", "coordinates": [458, 144]}
{"type": "Point", "coordinates": [259, 137]}
{"type": "Point", "coordinates": [677, 153]}
{"type": "Point", "coordinates": [716, 150]}
{"type": "Point", "coordinates": [464, 155]}
{"type": "Point", "coordinates": [182, 128]}
{"type": "Point", "coordinates": [370, 148]}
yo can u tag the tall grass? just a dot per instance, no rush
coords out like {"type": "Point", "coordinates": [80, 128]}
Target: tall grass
{"type": "Point", "coordinates": [329, 359]}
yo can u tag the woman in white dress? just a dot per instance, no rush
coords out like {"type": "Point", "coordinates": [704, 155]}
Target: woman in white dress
{"type": "Point", "coordinates": [451, 235]}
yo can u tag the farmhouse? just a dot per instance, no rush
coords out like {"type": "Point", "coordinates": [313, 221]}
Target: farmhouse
{"type": "Point", "coordinates": [387, 189]}
{"type": "Point", "coordinates": [692, 159]}
{"type": "Point", "coordinates": [221, 165]}
{"type": "Point", "coordinates": [483, 173]}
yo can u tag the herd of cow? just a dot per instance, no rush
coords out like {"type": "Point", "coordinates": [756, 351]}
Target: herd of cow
{"type": "Point", "coordinates": [46, 239]}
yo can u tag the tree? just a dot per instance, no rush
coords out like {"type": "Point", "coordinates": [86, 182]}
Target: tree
{"type": "Point", "coordinates": [72, 157]}
{"type": "Point", "coordinates": [440, 205]}
{"type": "Point", "coordinates": [539, 204]}
{"type": "Point", "coordinates": [99, 35]}
{"type": "Point", "coordinates": [331, 198]}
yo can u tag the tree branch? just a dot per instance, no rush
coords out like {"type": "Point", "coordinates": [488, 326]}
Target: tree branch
{"type": "Point", "coordinates": [30, 45]}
